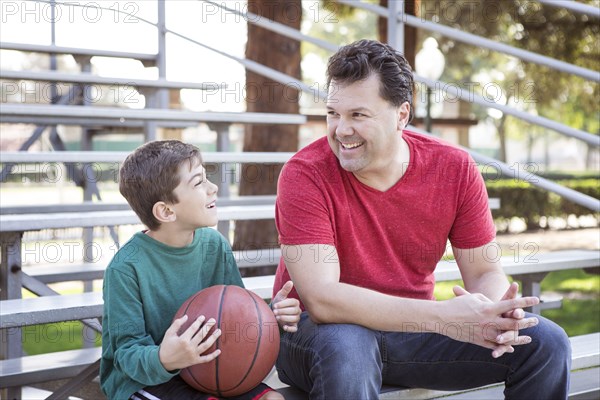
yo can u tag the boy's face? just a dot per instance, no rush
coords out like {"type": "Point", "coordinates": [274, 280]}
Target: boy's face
{"type": "Point", "coordinates": [197, 198]}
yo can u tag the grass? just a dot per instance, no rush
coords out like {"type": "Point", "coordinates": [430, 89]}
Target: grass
{"type": "Point", "coordinates": [580, 312]}
{"type": "Point", "coordinates": [59, 336]}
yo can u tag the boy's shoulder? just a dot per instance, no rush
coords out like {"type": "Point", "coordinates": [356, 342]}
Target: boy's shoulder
{"type": "Point", "coordinates": [130, 254]}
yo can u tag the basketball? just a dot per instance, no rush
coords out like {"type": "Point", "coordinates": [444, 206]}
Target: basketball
{"type": "Point", "coordinates": [249, 340]}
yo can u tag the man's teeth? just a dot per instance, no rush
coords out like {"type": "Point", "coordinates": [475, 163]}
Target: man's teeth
{"type": "Point", "coordinates": [351, 145]}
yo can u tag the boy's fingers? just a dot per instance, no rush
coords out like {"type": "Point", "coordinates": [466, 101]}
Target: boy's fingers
{"type": "Point", "coordinates": [193, 328]}
{"type": "Point", "coordinates": [201, 333]}
{"type": "Point", "coordinates": [210, 340]}
{"type": "Point", "coordinates": [209, 357]}
{"type": "Point", "coordinates": [176, 325]}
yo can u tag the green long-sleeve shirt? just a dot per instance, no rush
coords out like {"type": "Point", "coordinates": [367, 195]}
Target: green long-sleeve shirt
{"type": "Point", "coordinates": [144, 285]}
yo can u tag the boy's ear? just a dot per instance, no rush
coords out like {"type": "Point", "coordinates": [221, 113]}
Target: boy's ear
{"type": "Point", "coordinates": [163, 212]}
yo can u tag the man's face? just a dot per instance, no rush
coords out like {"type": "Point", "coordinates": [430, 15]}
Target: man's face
{"type": "Point", "coordinates": [364, 130]}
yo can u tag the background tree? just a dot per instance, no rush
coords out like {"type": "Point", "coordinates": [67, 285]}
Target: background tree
{"type": "Point", "coordinates": [541, 90]}
{"type": "Point", "coordinates": [265, 95]}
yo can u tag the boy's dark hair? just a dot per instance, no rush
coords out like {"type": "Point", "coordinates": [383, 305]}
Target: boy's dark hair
{"type": "Point", "coordinates": [357, 61]}
{"type": "Point", "coordinates": [151, 174]}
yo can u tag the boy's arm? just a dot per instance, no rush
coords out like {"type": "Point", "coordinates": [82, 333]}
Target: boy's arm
{"type": "Point", "coordinates": [135, 352]}
{"type": "Point", "coordinates": [232, 272]}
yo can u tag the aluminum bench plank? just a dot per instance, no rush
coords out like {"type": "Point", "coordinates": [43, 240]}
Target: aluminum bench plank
{"type": "Point", "coordinates": [89, 206]}
{"type": "Point", "coordinates": [149, 114]}
{"type": "Point", "coordinates": [542, 262]}
{"type": "Point", "coordinates": [38, 48]}
{"type": "Point", "coordinates": [46, 367]}
{"type": "Point", "coordinates": [32, 222]}
{"type": "Point", "coordinates": [119, 156]}
{"type": "Point", "coordinates": [86, 78]}
{"type": "Point", "coordinates": [586, 351]}
{"type": "Point", "coordinates": [47, 309]}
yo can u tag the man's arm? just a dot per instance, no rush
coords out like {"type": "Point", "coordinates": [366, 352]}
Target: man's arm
{"type": "Point", "coordinates": [315, 271]}
{"type": "Point", "coordinates": [481, 270]}
{"type": "Point", "coordinates": [316, 275]}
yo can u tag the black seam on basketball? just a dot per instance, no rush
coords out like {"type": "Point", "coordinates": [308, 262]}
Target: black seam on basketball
{"type": "Point", "coordinates": [218, 342]}
{"type": "Point", "coordinates": [206, 389]}
{"type": "Point", "coordinates": [259, 315]}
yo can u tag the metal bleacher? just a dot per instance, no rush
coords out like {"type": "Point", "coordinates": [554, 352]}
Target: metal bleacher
{"type": "Point", "coordinates": [72, 109]}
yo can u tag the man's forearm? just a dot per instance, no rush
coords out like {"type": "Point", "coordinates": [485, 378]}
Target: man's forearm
{"type": "Point", "coordinates": [492, 284]}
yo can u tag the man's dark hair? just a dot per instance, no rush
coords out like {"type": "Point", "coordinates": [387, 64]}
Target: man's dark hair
{"type": "Point", "coordinates": [151, 174]}
{"type": "Point", "coordinates": [357, 61]}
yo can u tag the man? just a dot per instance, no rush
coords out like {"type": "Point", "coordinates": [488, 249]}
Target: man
{"type": "Point", "coordinates": [363, 217]}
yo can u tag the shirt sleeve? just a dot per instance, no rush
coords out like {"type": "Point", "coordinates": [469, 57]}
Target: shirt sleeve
{"type": "Point", "coordinates": [301, 209]}
{"type": "Point", "coordinates": [135, 352]}
{"type": "Point", "coordinates": [232, 272]}
{"type": "Point", "coordinates": [473, 225]}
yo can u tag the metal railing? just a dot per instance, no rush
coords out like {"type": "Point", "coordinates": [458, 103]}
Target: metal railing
{"type": "Point", "coordinates": [395, 33]}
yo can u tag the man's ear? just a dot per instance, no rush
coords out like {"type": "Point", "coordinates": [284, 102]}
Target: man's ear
{"type": "Point", "coordinates": [163, 212]}
{"type": "Point", "coordinates": [403, 115]}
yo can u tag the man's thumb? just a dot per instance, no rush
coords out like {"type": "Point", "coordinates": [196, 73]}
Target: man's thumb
{"type": "Point", "coordinates": [459, 291]}
{"type": "Point", "coordinates": [287, 288]}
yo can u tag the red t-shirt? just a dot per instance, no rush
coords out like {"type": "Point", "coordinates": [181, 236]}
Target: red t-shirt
{"type": "Point", "coordinates": [386, 241]}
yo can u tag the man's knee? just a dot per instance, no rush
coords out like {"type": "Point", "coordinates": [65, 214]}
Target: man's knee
{"type": "Point", "coordinates": [550, 340]}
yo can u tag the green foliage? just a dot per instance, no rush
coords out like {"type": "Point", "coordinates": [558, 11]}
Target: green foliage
{"type": "Point", "coordinates": [39, 339]}
{"type": "Point", "coordinates": [528, 25]}
{"type": "Point", "coordinates": [521, 199]}
{"type": "Point", "coordinates": [572, 281]}
{"type": "Point", "coordinates": [576, 317]}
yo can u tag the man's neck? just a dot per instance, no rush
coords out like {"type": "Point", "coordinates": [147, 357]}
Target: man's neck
{"type": "Point", "coordinates": [388, 175]}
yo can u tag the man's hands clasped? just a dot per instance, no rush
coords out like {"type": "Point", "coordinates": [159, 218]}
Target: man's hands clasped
{"type": "Point", "coordinates": [494, 325]}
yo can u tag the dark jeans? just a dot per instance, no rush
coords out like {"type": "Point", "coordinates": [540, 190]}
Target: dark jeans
{"type": "Point", "coordinates": [344, 361]}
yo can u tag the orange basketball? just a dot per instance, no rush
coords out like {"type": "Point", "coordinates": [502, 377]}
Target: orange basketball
{"type": "Point", "coordinates": [249, 340]}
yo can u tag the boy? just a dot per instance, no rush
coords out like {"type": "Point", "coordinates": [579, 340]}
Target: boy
{"type": "Point", "coordinates": [149, 278]}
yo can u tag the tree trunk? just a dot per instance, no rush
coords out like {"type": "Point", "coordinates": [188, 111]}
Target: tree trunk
{"type": "Point", "coordinates": [266, 95]}
{"type": "Point", "coordinates": [502, 138]}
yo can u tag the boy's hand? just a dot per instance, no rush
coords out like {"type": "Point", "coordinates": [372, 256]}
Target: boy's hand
{"type": "Point", "coordinates": [287, 311]}
{"type": "Point", "coordinates": [181, 351]}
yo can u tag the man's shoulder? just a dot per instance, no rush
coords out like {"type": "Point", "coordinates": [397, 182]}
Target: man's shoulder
{"type": "Point", "coordinates": [315, 159]}
{"type": "Point", "coordinates": [427, 145]}
{"type": "Point", "coordinates": [315, 152]}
